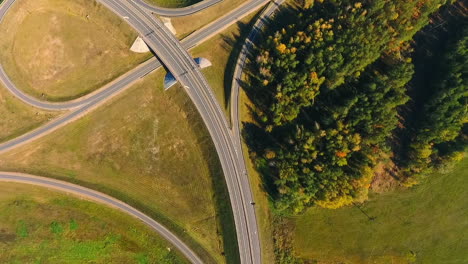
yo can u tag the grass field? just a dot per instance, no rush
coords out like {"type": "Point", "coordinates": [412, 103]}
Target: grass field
{"type": "Point", "coordinates": [172, 3]}
{"type": "Point", "coordinates": [150, 149]}
{"type": "Point", "coordinates": [186, 25]}
{"type": "Point", "coordinates": [17, 118]}
{"type": "Point", "coordinates": [41, 226]}
{"type": "Point", "coordinates": [62, 49]}
{"type": "Point", "coordinates": [428, 224]}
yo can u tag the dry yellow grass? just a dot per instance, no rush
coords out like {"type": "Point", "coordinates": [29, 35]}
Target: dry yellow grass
{"type": "Point", "coordinates": [189, 24]}
{"type": "Point", "coordinates": [62, 49]}
{"type": "Point", "coordinates": [147, 147]}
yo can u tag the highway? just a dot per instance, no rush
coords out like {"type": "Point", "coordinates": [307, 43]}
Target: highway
{"type": "Point", "coordinates": [131, 76]}
{"type": "Point", "coordinates": [94, 100]}
{"type": "Point", "coordinates": [103, 199]}
{"type": "Point", "coordinates": [175, 57]}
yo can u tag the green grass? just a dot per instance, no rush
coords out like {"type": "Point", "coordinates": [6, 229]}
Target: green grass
{"type": "Point", "coordinates": [41, 226]}
{"type": "Point", "coordinates": [149, 148]}
{"type": "Point", "coordinates": [172, 3]}
{"type": "Point", "coordinates": [428, 223]}
{"type": "Point", "coordinates": [62, 49]}
{"type": "Point", "coordinates": [17, 118]}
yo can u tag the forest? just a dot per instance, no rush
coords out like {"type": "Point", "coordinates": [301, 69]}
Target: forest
{"type": "Point", "coordinates": [341, 86]}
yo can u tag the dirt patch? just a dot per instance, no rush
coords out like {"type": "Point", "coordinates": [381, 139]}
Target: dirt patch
{"type": "Point", "coordinates": [385, 178]}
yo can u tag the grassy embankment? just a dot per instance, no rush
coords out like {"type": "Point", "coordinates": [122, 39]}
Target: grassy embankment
{"type": "Point", "coordinates": [172, 3]}
{"type": "Point", "coordinates": [150, 149]}
{"type": "Point", "coordinates": [186, 25]}
{"type": "Point", "coordinates": [427, 223]}
{"type": "Point", "coordinates": [17, 118]}
{"type": "Point", "coordinates": [42, 226]}
{"type": "Point", "coordinates": [62, 49]}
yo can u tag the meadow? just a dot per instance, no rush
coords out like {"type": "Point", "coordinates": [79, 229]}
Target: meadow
{"type": "Point", "coordinates": [424, 224]}
{"type": "Point", "coordinates": [59, 50]}
{"type": "Point", "coordinates": [42, 226]}
{"type": "Point", "coordinates": [148, 148]}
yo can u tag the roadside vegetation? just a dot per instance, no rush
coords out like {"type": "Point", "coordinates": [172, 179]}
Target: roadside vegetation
{"type": "Point", "coordinates": [41, 226]}
{"type": "Point", "coordinates": [172, 3]}
{"type": "Point", "coordinates": [17, 118]}
{"type": "Point", "coordinates": [150, 149]}
{"type": "Point", "coordinates": [62, 49]}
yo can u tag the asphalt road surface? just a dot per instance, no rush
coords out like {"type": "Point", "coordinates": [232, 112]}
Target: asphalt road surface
{"type": "Point", "coordinates": [83, 106]}
{"type": "Point", "coordinates": [140, 71]}
{"type": "Point", "coordinates": [103, 199]}
{"type": "Point", "coordinates": [174, 56]}
{"type": "Point", "coordinates": [180, 63]}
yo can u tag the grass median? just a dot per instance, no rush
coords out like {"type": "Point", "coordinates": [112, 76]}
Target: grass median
{"type": "Point", "coordinates": [150, 149]}
{"type": "Point", "coordinates": [59, 50]}
{"type": "Point", "coordinates": [43, 226]}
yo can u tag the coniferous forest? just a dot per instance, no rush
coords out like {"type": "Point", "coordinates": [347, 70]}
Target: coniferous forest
{"type": "Point", "coordinates": [336, 89]}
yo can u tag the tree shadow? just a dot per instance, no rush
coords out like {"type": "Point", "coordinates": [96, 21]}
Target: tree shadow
{"type": "Point", "coordinates": [234, 44]}
{"type": "Point", "coordinates": [253, 134]}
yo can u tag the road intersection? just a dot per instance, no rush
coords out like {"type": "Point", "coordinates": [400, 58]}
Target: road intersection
{"type": "Point", "coordinates": [175, 57]}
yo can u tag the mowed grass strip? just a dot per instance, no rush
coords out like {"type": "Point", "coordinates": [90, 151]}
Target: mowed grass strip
{"type": "Point", "coordinates": [148, 148]}
{"type": "Point", "coordinates": [172, 3]}
{"type": "Point", "coordinates": [17, 118]}
{"type": "Point", "coordinates": [43, 226]}
{"type": "Point", "coordinates": [62, 49]}
{"type": "Point", "coordinates": [425, 224]}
